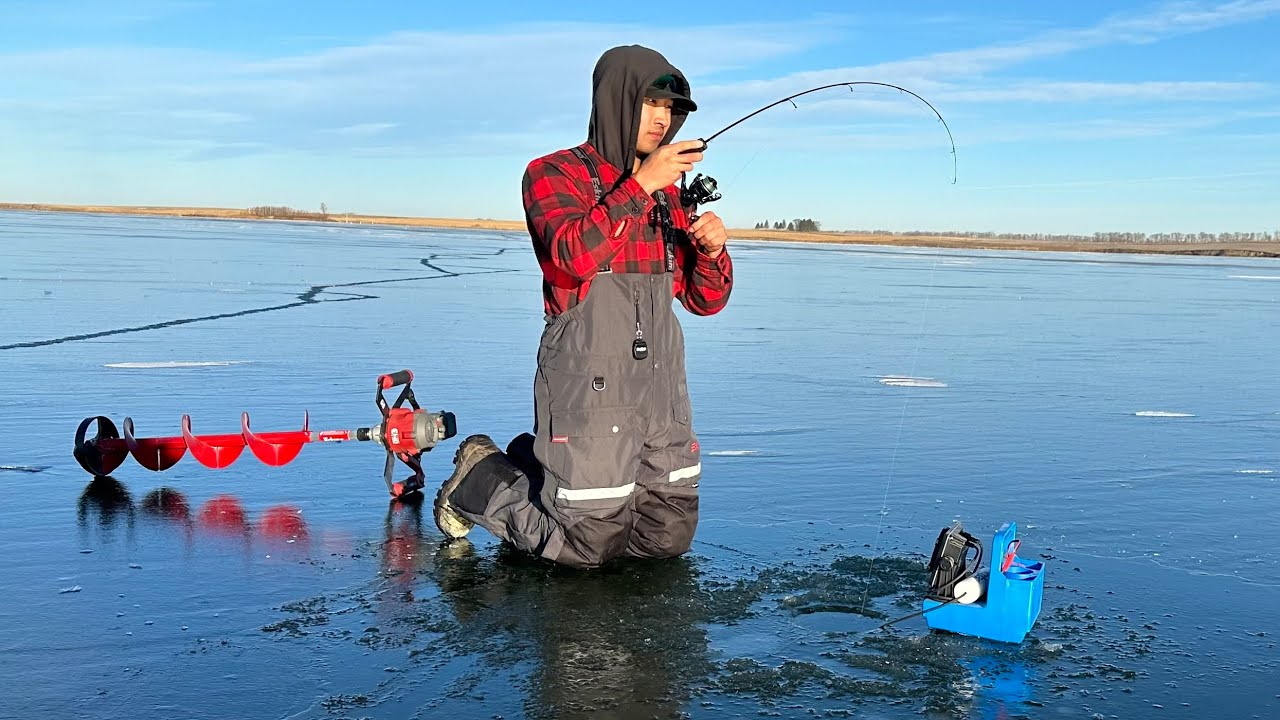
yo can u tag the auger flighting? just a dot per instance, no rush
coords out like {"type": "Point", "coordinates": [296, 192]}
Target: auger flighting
{"type": "Point", "coordinates": [405, 432]}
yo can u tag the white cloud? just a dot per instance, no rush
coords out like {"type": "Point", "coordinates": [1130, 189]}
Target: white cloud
{"type": "Point", "coordinates": [214, 117]}
{"type": "Point", "coordinates": [1169, 20]}
{"type": "Point", "coordinates": [368, 128]}
{"type": "Point", "coordinates": [422, 89]}
{"type": "Point", "coordinates": [1075, 92]}
{"type": "Point", "coordinates": [1151, 180]}
{"type": "Point", "coordinates": [522, 88]}
{"type": "Point", "coordinates": [935, 70]}
{"type": "Point", "coordinates": [95, 15]}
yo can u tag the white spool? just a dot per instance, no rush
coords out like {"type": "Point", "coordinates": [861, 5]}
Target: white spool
{"type": "Point", "coordinates": [968, 591]}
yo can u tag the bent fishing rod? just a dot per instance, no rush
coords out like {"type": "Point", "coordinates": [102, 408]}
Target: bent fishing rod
{"type": "Point", "coordinates": [703, 189]}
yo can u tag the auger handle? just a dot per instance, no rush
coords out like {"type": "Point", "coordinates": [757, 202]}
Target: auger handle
{"type": "Point", "coordinates": [402, 377]}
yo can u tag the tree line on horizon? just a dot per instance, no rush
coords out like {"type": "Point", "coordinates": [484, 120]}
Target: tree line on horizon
{"type": "Point", "coordinates": [1109, 237]}
{"type": "Point", "coordinates": [809, 225]}
{"type": "Point", "coordinates": [288, 213]}
{"type": "Point", "coordinates": [797, 225]}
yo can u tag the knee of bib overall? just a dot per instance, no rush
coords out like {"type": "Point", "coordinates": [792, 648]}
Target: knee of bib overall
{"type": "Point", "coordinates": [520, 451]}
{"type": "Point", "coordinates": [595, 539]}
{"type": "Point", "coordinates": [665, 521]}
{"type": "Point", "coordinates": [666, 503]}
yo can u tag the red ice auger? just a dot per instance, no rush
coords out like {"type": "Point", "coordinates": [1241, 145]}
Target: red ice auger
{"type": "Point", "coordinates": [405, 432]}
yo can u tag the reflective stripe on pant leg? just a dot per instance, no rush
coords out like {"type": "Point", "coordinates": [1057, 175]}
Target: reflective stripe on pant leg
{"type": "Point", "coordinates": [692, 472]}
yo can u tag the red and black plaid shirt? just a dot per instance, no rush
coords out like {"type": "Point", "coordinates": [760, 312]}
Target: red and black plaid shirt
{"type": "Point", "coordinates": [574, 236]}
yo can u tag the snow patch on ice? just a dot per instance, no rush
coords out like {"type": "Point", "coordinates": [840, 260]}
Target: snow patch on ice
{"type": "Point", "coordinates": [174, 364]}
{"type": "Point", "coordinates": [907, 381]}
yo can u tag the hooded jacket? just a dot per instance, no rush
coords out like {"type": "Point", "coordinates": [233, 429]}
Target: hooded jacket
{"type": "Point", "coordinates": [617, 94]}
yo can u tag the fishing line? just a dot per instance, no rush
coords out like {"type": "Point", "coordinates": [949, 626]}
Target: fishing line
{"type": "Point", "coordinates": [884, 503]}
{"type": "Point", "coordinates": [734, 179]}
{"type": "Point", "coordinates": [705, 195]}
{"type": "Point", "coordinates": [893, 463]}
{"type": "Point", "coordinates": [917, 613]}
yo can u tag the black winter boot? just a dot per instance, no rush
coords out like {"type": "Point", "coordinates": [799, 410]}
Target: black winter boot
{"type": "Point", "coordinates": [470, 452]}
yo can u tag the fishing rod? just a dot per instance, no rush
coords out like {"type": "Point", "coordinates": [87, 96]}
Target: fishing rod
{"type": "Point", "coordinates": [703, 189]}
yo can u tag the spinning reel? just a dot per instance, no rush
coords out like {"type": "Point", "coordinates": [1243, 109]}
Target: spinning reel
{"type": "Point", "coordinates": [701, 191]}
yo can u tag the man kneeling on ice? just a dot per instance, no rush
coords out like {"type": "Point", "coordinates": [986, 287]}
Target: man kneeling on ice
{"type": "Point", "coordinates": [612, 467]}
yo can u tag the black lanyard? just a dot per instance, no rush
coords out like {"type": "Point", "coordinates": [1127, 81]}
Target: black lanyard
{"type": "Point", "coordinates": [668, 231]}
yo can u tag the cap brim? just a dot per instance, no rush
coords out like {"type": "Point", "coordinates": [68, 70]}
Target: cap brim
{"type": "Point", "coordinates": [681, 102]}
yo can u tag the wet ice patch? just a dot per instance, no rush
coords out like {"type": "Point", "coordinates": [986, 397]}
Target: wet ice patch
{"type": "Point", "coordinates": [174, 364]}
{"type": "Point", "coordinates": [1162, 413]}
{"type": "Point", "coordinates": [908, 381]}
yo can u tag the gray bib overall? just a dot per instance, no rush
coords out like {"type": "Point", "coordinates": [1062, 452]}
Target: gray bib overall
{"type": "Point", "coordinates": [613, 430]}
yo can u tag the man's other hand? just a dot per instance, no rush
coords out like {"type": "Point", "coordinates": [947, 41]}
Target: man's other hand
{"type": "Point", "coordinates": [708, 231]}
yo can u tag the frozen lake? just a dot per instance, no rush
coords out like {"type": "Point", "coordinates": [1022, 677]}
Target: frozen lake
{"type": "Point", "coordinates": [851, 401]}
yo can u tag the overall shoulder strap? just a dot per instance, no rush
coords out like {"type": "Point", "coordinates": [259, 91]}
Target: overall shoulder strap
{"type": "Point", "coordinates": [591, 167]}
{"type": "Point", "coordinates": [595, 184]}
{"type": "Point", "coordinates": [668, 230]}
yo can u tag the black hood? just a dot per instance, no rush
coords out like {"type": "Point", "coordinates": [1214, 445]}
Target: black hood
{"type": "Point", "coordinates": [617, 94]}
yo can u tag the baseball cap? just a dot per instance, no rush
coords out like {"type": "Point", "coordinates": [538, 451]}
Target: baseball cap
{"type": "Point", "coordinates": [667, 87]}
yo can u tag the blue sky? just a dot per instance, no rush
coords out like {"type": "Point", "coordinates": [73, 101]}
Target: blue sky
{"type": "Point", "coordinates": [1068, 117]}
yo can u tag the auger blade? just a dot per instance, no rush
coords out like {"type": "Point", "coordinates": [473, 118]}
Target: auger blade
{"type": "Point", "coordinates": [276, 448]}
{"type": "Point", "coordinates": [158, 454]}
{"type": "Point", "coordinates": [102, 454]}
{"type": "Point", "coordinates": [212, 451]}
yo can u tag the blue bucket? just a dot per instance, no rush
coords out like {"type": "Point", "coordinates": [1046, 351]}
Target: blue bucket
{"type": "Point", "coordinates": [1009, 608]}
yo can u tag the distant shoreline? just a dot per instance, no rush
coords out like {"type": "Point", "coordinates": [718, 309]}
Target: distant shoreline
{"type": "Point", "coordinates": [1234, 249]}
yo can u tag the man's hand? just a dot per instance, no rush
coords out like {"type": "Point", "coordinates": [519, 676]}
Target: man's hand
{"type": "Point", "coordinates": [663, 166]}
{"type": "Point", "coordinates": [708, 231]}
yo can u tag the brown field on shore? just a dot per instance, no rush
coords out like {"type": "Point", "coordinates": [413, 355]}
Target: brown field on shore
{"type": "Point", "coordinates": [1239, 249]}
